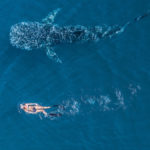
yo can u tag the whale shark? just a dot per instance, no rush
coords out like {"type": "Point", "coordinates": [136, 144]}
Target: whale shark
{"type": "Point", "coordinates": [46, 34]}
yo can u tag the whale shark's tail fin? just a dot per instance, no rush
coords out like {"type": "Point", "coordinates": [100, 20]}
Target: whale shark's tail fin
{"type": "Point", "coordinates": [111, 31]}
{"type": "Point", "coordinates": [141, 16]}
{"type": "Point", "coordinates": [137, 19]}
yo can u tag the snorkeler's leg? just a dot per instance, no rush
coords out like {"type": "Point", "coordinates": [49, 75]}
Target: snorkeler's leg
{"type": "Point", "coordinates": [46, 107]}
{"type": "Point", "coordinates": [50, 114]}
{"type": "Point", "coordinates": [44, 112]}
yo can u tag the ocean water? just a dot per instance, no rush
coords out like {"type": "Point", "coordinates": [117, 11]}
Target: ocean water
{"type": "Point", "coordinates": [103, 86]}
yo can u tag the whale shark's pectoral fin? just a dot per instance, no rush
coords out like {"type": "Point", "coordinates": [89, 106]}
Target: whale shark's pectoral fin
{"type": "Point", "coordinates": [51, 16]}
{"type": "Point", "coordinates": [52, 55]}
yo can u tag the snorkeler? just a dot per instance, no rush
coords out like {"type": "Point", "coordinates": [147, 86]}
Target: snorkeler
{"type": "Point", "coordinates": [34, 108]}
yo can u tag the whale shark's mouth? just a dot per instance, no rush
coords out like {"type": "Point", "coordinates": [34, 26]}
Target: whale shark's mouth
{"type": "Point", "coordinates": [26, 35]}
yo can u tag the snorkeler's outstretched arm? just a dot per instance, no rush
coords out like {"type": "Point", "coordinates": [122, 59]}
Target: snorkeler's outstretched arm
{"type": "Point", "coordinates": [51, 16]}
{"type": "Point", "coordinates": [52, 54]}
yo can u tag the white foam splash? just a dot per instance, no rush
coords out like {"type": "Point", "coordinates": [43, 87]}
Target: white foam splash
{"type": "Point", "coordinates": [91, 100]}
{"type": "Point", "coordinates": [120, 98]}
{"type": "Point", "coordinates": [134, 89]}
{"type": "Point", "coordinates": [70, 107]}
{"type": "Point", "coordinates": [87, 104]}
{"type": "Point", "coordinates": [104, 101]}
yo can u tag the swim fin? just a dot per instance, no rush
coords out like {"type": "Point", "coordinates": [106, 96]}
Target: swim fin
{"type": "Point", "coordinates": [58, 106]}
{"type": "Point", "coordinates": [55, 115]}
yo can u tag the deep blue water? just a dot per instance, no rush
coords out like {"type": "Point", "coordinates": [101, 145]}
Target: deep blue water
{"type": "Point", "coordinates": [104, 86]}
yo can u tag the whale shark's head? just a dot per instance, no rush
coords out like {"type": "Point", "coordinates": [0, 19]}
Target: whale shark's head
{"type": "Point", "coordinates": [26, 35]}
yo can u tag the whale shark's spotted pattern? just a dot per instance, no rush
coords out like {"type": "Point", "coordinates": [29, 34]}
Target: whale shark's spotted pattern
{"type": "Point", "coordinates": [46, 34]}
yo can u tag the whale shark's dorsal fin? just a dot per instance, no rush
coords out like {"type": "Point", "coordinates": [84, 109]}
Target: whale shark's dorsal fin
{"type": "Point", "coordinates": [52, 55]}
{"type": "Point", "coordinates": [49, 19]}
